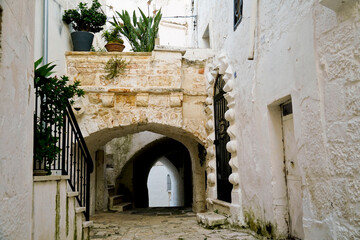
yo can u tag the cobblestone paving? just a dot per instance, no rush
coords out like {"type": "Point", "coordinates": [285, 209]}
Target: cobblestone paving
{"type": "Point", "coordinates": [157, 224]}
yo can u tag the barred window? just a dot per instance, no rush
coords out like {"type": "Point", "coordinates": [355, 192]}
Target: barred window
{"type": "Point", "coordinates": [168, 179]}
{"type": "Point", "coordinates": [238, 12]}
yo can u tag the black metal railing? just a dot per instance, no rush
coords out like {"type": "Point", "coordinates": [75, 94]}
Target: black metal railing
{"type": "Point", "coordinates": [70, 155]}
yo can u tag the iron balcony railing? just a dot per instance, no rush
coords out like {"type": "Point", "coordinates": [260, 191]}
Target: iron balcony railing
{"type": "Point", "coordinates": [72, 156]}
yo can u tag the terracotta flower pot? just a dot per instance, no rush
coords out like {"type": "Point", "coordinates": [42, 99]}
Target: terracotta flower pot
{"type": "Point", "coordinates": [114, 47]}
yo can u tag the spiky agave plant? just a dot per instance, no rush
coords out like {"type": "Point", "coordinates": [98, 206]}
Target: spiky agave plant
{"type": "Point", "coordinates": [140, 33]}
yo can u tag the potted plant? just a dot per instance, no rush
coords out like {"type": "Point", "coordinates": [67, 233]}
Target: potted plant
{"type": "Point", "coordinates": [140, 32]}
{"type": "Point", "coordinates": [85, 21]}
{"type": "Point", "coordinates": [114, 40]}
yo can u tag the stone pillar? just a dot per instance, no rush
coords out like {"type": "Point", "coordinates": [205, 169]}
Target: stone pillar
{"type": "Point", "coordinates": [100, 185]}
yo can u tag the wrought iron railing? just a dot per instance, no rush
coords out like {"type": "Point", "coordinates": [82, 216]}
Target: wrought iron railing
{"type": "Point", "coordinates": [70, 155]}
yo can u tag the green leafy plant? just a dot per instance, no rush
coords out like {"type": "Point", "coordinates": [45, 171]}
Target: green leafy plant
{"type": "Point", "coordinates": [54, 94]}
{"type": "Point", "coordinates": [86, 19]}
{"type": "Point", "coordinates": [112, 36]}
{"type": "Point", "coordinates": [93, 49]}
{"type": "Point", "coordinates": [140, 34]}
{"type": "Point", "coordinates": [115, 66]}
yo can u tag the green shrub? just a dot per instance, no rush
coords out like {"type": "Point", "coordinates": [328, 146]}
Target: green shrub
{"type": "Point", "coordinates": [112, 36]}
{"type": "Point", "coordinates": [86, 19]}
{"type": "Point", "coordinates": [54, 94]}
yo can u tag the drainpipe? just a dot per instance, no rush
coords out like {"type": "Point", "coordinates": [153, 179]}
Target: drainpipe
{"type": "Point", "coordinates": [45, 31]}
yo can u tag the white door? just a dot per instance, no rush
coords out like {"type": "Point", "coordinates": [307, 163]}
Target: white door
{"type": "Point", "coordinates": [293, 178]}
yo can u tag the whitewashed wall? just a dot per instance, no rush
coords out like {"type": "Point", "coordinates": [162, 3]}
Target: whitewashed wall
{"type": "Point", "coordinates": [159, 195]}
{"type": "Point", "coordinates": [120, 150]}
{"type": "Point", "coordinates": [311, 53]}
{"type": "Point", "coordinates": [59, 39]}
{"type": "Point", "coordinates": [16, 118]}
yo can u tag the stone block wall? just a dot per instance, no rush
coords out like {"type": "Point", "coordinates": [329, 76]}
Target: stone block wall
{"type": "Point", "coordinates": [162, 92]}
{"type": "Point", "coordinates": [157, 88]}
{"type": "Point", "coordinates": [333, 184]}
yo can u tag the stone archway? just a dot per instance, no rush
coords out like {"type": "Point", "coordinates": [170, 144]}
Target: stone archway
{"type": "Point", "coordinates": [162, 92]}
{"type": "Point", "coordinates": [141, 163]}
{"type": "Point", "coordinates": [98, 139]}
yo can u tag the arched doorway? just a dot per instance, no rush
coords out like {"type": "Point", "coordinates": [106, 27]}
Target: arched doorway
{"type": "Point", "coordinates": [142, 162]}
{"type": "Point", "coordinates": [223, 169]}
{"type": "Point", "coordinates": [179, 145]}
{"type": "Point", "coordinates": [165, 185]}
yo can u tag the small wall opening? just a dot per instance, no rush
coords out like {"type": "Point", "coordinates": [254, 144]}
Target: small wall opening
{"type": "Point", "coordinates": [165, 185]}
{"type": "Point", "coordinates": [206, 38]}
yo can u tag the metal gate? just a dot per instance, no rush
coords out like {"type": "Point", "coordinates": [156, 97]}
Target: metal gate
{"type": "Point", "coordinates": [223, 169]}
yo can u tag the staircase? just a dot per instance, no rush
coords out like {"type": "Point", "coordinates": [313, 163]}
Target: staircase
{"type": "Point", "coordinates": [57, 214]}
{"type": "Point", "coordinates": [118, 202]}
{"type": "Point", "coordinates": [61, 200]}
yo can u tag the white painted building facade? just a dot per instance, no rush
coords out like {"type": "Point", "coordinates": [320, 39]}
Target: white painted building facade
{"type": "Point", "coordinates": [308, 54]}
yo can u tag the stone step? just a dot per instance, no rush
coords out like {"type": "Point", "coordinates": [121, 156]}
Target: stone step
{"type": "Point", "coordinates": [111, 190]}
{"type": "Point", "coordinates": [211, 220]}
{"type": "Point", "coordinates": [80, 209]}
{"type": "Point", "coordinates": [116, 199]}
{"type": "Point", "coordinates": [72, 194]}
{"type": "Point", "coordinates": [121, 207]}
{"type": "Point", "coordinates": [87, 224]}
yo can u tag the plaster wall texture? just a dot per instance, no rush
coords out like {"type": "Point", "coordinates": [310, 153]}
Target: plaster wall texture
{"type": "Point", "coordinates": [310, 53]}
{"type": "Point", "coordinates": [159, 195]}
{"type": "Point", "coordinates": [56, 214]}
{"type": "Point", "coordinates": [45, 210]}
{"type": "Point", "coordinates": [120, 150]}
{"type": "Point", "coordinates": [157, 185]}
{"type": "Point", "coordinates": [16, 118]}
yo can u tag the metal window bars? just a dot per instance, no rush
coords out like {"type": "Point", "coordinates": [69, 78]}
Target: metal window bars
{"type": "Point", "coordinates": [70, 155]}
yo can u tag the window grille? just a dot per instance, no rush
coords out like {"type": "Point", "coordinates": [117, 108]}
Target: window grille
{"type": "Point", "coordinates": [223, 168]}
{"type": "Point", "coordinates": [168, 183]}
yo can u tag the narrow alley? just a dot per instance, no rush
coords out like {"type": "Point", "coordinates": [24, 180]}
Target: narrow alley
{"type": "Point", "coordinates": [159, 224]}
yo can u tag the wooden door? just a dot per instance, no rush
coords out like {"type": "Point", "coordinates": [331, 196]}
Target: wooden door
{"type": "Point", "coordinates": [293, 176]}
